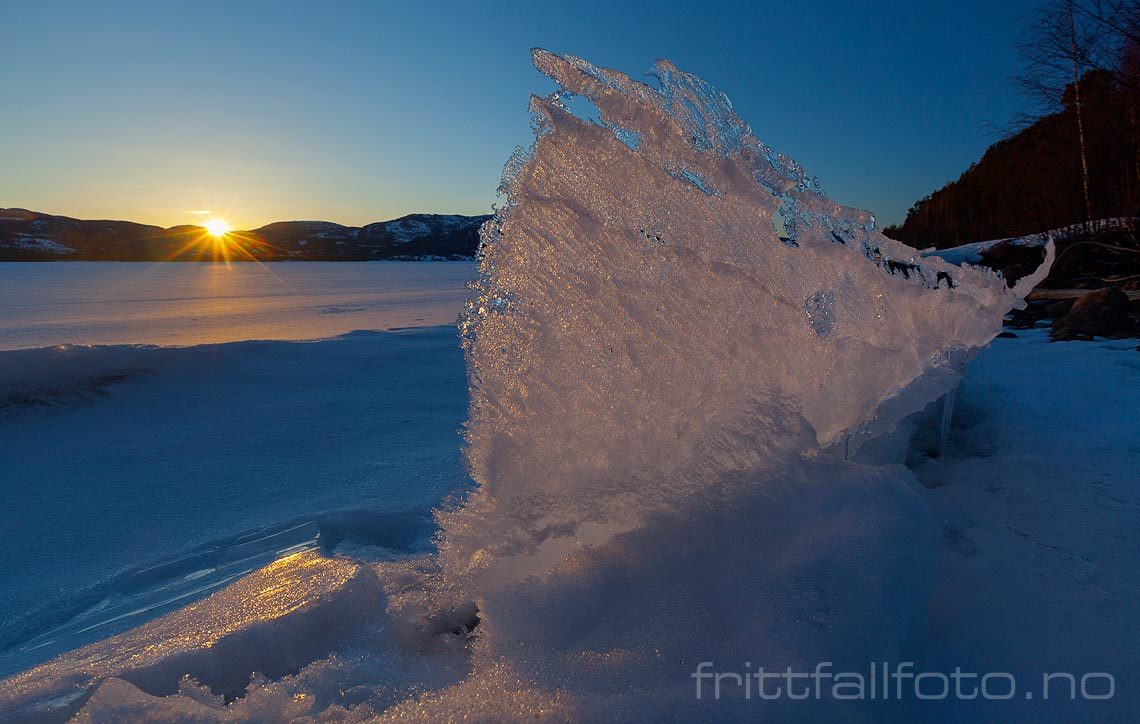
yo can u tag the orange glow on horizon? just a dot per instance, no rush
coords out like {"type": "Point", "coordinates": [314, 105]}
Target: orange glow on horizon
{"type": "Point", "coordinates": [217, 228]}
{"type": "Point", "coordinates": [218, 241]}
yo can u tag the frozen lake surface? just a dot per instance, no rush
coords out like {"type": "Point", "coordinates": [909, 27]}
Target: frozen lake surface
{"type": "Point", "coordinates": [138, 475]}
{"type": "Point", "coordinates": [184, 304]}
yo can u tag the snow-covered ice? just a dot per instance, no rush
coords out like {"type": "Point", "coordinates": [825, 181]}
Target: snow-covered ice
{"type": "Point", "coordinates": [136, 477]}
{"type": "Point", "coordinates": [1037, 502]}
{"type": "Point", "coordinates": [203, 303]}
{"type": "Point", "coordinates": [1031, 573]}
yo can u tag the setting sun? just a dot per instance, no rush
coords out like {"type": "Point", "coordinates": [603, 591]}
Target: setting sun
{"type": "Point", "coordinates": [217, 227]}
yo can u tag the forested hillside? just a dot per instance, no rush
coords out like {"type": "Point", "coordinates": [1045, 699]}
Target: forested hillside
{"type": "Point", "coordinates": [1077, 160]}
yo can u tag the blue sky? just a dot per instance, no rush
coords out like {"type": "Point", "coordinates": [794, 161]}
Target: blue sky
{"type": "Point", "coordinates": [360, 111]}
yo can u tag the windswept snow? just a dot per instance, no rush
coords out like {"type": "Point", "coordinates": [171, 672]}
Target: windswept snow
{"type": "Point", "coordinates": [138, 478]}
{"type": "Point", "coordinates": [1037, 502]}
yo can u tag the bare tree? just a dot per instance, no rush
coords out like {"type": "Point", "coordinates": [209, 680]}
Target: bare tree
{"type": "Point", "coordinates": [1119, 18]}
{"type": "Point", "coordinates": [1117, 22]}
{"type": "Point", "coordinates": [1116, 26]}
{"type": "Point", "coordinates": [1077, 52]}
{"type": "Point", "coordinates": [1061, 42]}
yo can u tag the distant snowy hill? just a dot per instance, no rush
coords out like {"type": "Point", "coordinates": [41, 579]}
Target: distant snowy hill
{"type": "Point", "coordinates": [33, 236]}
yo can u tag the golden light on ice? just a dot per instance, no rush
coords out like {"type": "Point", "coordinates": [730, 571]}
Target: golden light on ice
{"type": "Point", "coordinates": [217, 228]}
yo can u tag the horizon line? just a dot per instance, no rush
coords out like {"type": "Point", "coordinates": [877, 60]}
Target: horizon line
{"type": "Point", "coordinates": [262, 226]}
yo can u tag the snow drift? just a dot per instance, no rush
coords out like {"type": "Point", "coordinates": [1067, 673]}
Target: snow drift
{"type": "Point", "coordinates": [678, 348]}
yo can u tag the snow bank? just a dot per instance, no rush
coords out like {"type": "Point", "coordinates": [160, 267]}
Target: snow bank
{"type": "Point", "coordinates": [973, 253]}
{"type": "Point", "coordinates": [67, 374]}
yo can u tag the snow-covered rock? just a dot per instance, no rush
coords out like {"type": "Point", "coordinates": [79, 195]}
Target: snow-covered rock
{"type": "Point", "coordinates": [1077, 249]}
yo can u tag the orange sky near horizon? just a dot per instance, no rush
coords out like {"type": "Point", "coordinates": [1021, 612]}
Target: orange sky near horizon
{"type": "Point", "coordinates": [242, 210]}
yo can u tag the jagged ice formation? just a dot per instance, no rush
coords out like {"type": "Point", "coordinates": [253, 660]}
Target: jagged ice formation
{"type": "Point", "coordinates": [663, 302]}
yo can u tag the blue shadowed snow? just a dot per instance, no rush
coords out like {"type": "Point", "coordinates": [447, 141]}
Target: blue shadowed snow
{"type": "Point", "coordinates": [137, 479]}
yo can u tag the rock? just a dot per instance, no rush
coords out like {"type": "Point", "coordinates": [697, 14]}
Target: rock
{"type": "Point", "coordinates": [1057, 309]}
{"type": "Point", "coordinates": [1110, 297]}
{"type": "Point", "coordinates": [1007, 335]}
{"type": "Point", "coordinates": [1103, 313]}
